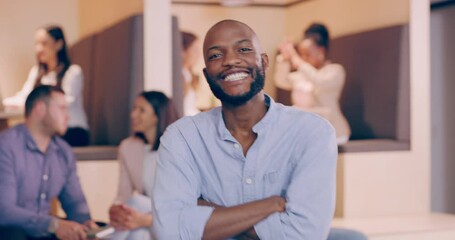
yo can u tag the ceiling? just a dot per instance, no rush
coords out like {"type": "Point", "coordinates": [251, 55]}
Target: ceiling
{"type": "Point", "coordinates": [265, 3]}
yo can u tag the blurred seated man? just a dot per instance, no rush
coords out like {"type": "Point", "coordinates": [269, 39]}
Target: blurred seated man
{"type": "Point", "coordinates": [36, 165]}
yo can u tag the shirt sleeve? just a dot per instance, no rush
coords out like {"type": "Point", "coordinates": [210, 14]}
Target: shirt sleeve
{"type": "Point", "coordinates": [18, 100]}
{"type": "Point", "coordinates": [73, 83]}
{"type": "Point", "coordinates": [125, 187]}
{"type": "Point", "coordinates": [176, 190]}
{"type": "Point", "coordinates": [71, 197]}
{"type": "Point", "coordinates": [310, 197]}
{"type": "Point", "coordinates": [331, 76]}
{"type": "Point", "coordinates": [10, 214]}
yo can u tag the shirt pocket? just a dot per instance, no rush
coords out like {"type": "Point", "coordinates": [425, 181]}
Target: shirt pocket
{"type": "Point", "coordinates": [276, 182]}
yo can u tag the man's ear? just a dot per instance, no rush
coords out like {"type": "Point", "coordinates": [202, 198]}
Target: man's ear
{"type": "Point", "coordinates": [265, 61]}
{"type": "Point", "coordinates": [40, 109]}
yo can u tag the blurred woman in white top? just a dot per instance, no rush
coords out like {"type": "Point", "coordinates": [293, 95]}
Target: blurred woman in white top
{"type": "Point", "coordinates": [54, 68]}
{"type": "Point", "coordinates": [315, 82]}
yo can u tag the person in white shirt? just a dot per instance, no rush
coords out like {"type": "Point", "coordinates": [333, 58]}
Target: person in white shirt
{"type": "Point", "coordinates": [54, 68]}
{"type": "Point", "coordinates": [316, 83]}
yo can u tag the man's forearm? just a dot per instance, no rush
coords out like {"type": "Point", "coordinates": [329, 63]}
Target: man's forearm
{"type": "Point", "coordinates": [226, 222]}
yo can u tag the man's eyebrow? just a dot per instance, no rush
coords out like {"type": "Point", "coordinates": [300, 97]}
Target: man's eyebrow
{"type": "Point", "coordinates": [243, 41]}
{"type": "Point", "coordinates": [212, 48]}
{"type": "Point", "coordinates": [216, 47]}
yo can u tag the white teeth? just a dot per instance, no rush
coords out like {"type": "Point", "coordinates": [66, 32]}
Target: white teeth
{"type": "Point", "coordinates": [235, 77]}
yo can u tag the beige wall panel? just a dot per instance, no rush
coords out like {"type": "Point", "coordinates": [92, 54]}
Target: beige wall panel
{"type": "Point", "coordinates": [99, 14]}
{"type": "Point", "coordinates": [18, 23]}
{"type": "Point", "coordinates": [347, 16]}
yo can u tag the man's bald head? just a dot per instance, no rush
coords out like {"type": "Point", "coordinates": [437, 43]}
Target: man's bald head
{"type": "Point", "coordinates": [235, 65]}
{"type": "Point", "coordinates": [226, 29]}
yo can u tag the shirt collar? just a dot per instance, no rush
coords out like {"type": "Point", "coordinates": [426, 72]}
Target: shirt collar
{"type": "Point", "coordinates": [31, 144]}
{"type": "Point", "coordinates": [257, 128]}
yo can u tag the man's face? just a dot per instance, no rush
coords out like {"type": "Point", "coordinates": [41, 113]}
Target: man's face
{"type": "Point", "coordinates": [235, 67]}
{"type": "Point", "coordinates": [56, 117]}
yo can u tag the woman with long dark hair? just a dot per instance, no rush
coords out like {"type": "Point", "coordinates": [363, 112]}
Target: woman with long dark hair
{"type": "Point", "coordinates": [131, 212]}
{"type": "Point", "coordinates": [54, 68]}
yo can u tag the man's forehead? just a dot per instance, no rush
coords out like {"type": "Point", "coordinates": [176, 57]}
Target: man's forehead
{"type": "Point", "coordinates": [232, 31]}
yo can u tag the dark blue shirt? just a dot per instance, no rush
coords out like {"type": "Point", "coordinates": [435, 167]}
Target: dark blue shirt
{"type": "Point", "coordinates": [30, 179]}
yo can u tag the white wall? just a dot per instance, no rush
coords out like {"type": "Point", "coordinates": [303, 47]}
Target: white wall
{"type": "Point", "coordinates": [18, 21]}
{"type": "Point", "coordinates": [442, 109]}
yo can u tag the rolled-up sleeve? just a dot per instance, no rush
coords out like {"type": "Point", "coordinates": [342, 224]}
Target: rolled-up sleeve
{"type": "Point", "coordinates": [176, 190]}
{"type": "Point", "coordinates": [311, 194]}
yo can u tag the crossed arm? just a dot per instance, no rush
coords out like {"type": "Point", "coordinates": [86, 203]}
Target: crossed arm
{"type": "Point", "coordinates": [239, 220]}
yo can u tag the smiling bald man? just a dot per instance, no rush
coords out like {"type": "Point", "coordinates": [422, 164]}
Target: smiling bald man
{"type": "Point", "coordinates": [250, 169]}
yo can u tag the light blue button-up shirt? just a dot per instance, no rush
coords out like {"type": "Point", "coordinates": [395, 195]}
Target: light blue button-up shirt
{"type": "Point", "coordinates": [294, 156]}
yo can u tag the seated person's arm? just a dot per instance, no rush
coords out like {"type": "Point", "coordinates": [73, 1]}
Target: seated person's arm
{"type": "Point", "coordinates": [18, 100]}
{"type": "Point", "coordinates": [71, 196]}
{"type": "Point", "coordinates": [10, 213]}
{"type": "Point", "coordinates": [73, 83]}
{"type": "Point", "coordinates": [331, 76]}
{"type": "Point", "coordinates": [123, 217]}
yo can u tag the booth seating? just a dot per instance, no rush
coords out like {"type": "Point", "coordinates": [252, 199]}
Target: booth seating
{"type": "Point", "coordinates": [375, 98]}
{"type": "Point", "coordinates": [112, 63]}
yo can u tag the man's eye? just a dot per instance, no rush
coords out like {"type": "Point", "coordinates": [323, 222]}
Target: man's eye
{"type": "Point", "coordinates": [214, 56]}
{"type": "Point", "coordinates": [245, 49]}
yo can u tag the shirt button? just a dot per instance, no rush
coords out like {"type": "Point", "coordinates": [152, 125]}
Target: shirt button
{"type": "Point", "coordinates": [236, 146]}
{"type": "Point", "coordinates": [43, 196]}
{"type": "Point", "coordinates": [249, 181]}
{"type": "Point", "coordinates": [45, 177]}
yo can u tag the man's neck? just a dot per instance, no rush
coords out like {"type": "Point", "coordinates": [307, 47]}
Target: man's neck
{"type": "Point", "coordinates": [241, 119]}
{"type": "Point", "coordinates": [39, 135]}
{"type": "Point", "coordinates": [245, 116]}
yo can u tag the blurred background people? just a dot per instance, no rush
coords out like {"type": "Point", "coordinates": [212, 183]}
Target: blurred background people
{"type": "Point", "coordinates": [131, 214]}
{"type": "Point", "coordinates": [37, 166]}
{"type": "Point", "coordinates": [315, 82]}
{"type": "Point", "coordinates": [190, 55]}
{"type": "Point", "coordinates": [54, 68]}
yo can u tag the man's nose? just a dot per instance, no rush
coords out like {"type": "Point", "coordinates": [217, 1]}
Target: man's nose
{"type": "Point", "coordinates": [231, 58]}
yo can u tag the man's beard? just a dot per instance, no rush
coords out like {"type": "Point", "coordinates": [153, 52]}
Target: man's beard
{"type": "Point", "coordinates": [255, 87]}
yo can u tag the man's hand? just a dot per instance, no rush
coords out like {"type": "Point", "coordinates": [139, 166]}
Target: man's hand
{"type": "Point", "coordinates": [90, 224]}
{"type": "Point", "coordinates": [123, 217]}
{"type": "Point", "coordinates": [69, 230]}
